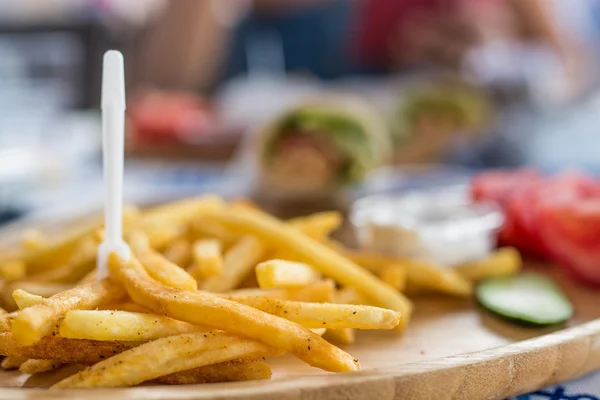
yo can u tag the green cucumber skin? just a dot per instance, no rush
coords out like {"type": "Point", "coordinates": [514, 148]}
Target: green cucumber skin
{"type": "Point", "coordinates": [537, 282]}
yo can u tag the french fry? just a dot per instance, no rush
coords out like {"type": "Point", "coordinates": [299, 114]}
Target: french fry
{"type": "Point", "coordinates": [179, 252]}
{"type": "Point", "coordinates": [374, 262]}
{"type": "Point", "coordinates": [4, 321]}
{"type": "Point", "coordinates": [58, 250]}
{"type": "Point", "coordinates": [126, 306]}
{"type": "Point", "coordinates": [394, 275]}
{"type": "Point", "coordinates": [208, 310]}
{"type": "Point", "coordinates": [229, 371]}
{"type": "Point", "coordinates": [164, 223]}
{"type": "Point", "coordinates": [165, 272]}
{"type": "Point", "coordinates": [207, 259]}
{"type": "Point", "coordinates": [33, 240]}
{"type": "Point", "coordinates": [284, 274]}
{"type": "Point", "coordinates": [121, 325]}
{"type": "Point", "coordinates": [25, 299]}
{"type": "Point", "coordinates": [13, 270]}
{"type": "Point", "coordinates": [318, 331]}
{"type": "Point", "coordinates": [163, 357]}
{"type": "Point", "coordinates": [423, 274]}
{"type": "Point", "coordinates": [318, 292]}
{"type": "Point", "coordinates": [318, 226]}
{"type": "Point", "coordinates": [237, 263]}
{"type": "Point", "coordinates": [342, 336]}
{"type": "Point", "coordinates": [67, 351]}
{"type": "Point", "coordinates": [206, 229]}
{"type": "Point", "coordinates": [39, 366]}
{"type": "Point", "coordinates": [12, 362]}
{"type": "Point", "coordinates": [503, 262]}
{"type": "Point", "coordinates": [37, 288]}
{"type": "Point", "coordinates": [345, 336]}
{"type": "Point", "coordinates": [349, 295]}
{"type": "Point", "coordinates": [80, 263]}
{"type": "Point", "coordinates": [33, 323]}
{"type": "Point", "coordinates": [326, 315]}
{"type": "Point", "coordinates": [322, 258]}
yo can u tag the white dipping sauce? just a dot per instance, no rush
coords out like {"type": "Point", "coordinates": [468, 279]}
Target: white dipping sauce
{"type": "Point", "coordinates": [441, 225]}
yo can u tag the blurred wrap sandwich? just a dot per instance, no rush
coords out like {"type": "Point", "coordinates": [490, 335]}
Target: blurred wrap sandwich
{"type": "Point", "coordinates": [320, 147]}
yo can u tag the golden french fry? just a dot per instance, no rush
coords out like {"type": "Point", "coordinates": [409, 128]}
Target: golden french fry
{"type": "Point", "coordinates": [126, 306]}
{"type": "Point", "coordinates": [318, 292]}
{"type": "Point", "coordinates": [322, 258]}
{"type": "Point", "coordinates": [372, 261]}
{"type": "Point", "coordinates": [503, 262]}
{"type": "Point", "coordinates": [33, 240]}
{"type": "Point", "coordinates": [12, 362]}
{"type": "Point", "coordinates": [163, 357]}
{"type": "Point", "coordinates": [164, 223]}
{"type": "Point", "coordinates": [4, 321]}
{"type": "Point", "coordinates": [207, 259]}
{"type": "Point", "coordinates": [318, 331]}
{"type": "Point", "coordinates": [326, 315]}
{"type": "Point", "coordinates": [80, 263]}
{"type": "Point", "coordinates": [67, 351]}
{"type": "Point", "coordinates": [37, 288]}
{"type": "Point", "coordinates": [57, 251]}
{"type": "Point", "coordinates": [109, 325]}
{"type": "Point", "coordinates": [180, 211]}
{"type": "Point", "coordinates": [229, 371]}
{"type": "Point", "coordinates": [423, 274]}
{"type": "Point", "coordinates": [39, 366]}
{"type": "Point", "coordinates": [137, 240]}
{"type": "Point", "coordinates": [33, 323]}
{"type": "Point", "coordinates": [237, 263]}
{"type": "Point", "coordinates": [284, 274]}
{"type": "Point", "coordinates": [341, 336]}
{"type": "Point", "coordinates": [208, 310]}
{"type": "Point", "coordinates": [25, 299]}
{"type": "Point", "coordinates": [318, 226]}
{"type": "Point", "coordinates": [165, 272]}
{"type": "Point", "coordinates": [179, 252]}
{"type": "Point", "coordinates": [349, 295]}
{"type": "Point", "coordinates": [394, 275]}
{"type": "Point", "coordinates": [13, 270]}
{"type": "Point", "coordinates": [206, 229]}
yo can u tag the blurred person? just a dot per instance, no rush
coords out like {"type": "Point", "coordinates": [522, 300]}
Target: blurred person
{"type": "Point", "coordinates": [196, 43]}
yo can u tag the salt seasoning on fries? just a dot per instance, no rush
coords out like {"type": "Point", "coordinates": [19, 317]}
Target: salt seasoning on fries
{"type": "Point", "coordinates": [149, 321]}
{"type": "Point", "coordinates": [323, 259]}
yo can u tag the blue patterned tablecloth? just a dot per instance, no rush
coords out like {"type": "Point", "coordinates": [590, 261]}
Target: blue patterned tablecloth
{"type": "Point", "coordinates": [586, 388]}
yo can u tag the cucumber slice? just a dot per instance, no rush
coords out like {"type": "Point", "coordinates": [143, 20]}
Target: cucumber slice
{"type": "Point", "coordinates": [527, 298]}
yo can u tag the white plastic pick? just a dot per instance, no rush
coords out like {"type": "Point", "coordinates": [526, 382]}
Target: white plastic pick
{"type": "Point", "coordinates": [113, 132]}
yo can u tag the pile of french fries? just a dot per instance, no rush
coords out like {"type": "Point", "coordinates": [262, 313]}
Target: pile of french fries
{"type": "Point", "coordinates": [210, 291]}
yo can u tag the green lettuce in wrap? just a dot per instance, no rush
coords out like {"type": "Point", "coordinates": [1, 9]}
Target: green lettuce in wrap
{"type": "Point", "coordinates": [321, 147]}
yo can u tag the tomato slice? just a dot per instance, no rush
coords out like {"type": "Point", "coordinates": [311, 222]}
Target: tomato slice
{"type": "Point", "coordinates": [498, 185]}
{"type": "Point", "coordinates": [555, 218]}
{"type": "Point", "coordinates": [569, 224]}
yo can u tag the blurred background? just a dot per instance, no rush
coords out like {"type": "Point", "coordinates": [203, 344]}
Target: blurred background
{"type": "Point", "coordinates": [307, 101]}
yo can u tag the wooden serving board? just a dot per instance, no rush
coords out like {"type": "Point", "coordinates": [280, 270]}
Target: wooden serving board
{"type": "Point", "coordinates": [451, 350]}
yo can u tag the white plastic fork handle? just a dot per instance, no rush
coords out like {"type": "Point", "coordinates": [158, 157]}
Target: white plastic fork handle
{"type": "Point", "coordinates": [113, 133]}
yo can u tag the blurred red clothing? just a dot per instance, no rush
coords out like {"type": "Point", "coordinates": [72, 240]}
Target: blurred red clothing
{"type": "Point", "coordinates": [384, 26]}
